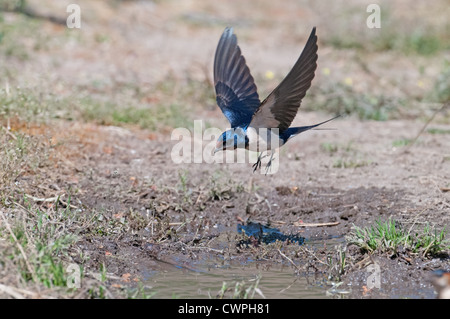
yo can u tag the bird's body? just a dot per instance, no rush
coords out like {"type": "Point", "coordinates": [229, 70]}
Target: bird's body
{"type": "Point", "coordinates": [259, 126]}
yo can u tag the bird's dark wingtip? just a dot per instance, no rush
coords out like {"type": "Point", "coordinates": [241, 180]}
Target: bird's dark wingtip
{"type": "Point", "coordinates": [228, 31]}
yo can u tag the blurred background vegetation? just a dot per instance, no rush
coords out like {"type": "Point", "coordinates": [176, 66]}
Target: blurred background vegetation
{"type": "Point", "coordinates": [149, 63]}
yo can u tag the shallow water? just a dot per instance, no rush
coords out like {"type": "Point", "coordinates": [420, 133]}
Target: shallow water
{"type": "Point", "coordinates": [204, 279]}
{"type": "Point", "coordinates": [277, 282]}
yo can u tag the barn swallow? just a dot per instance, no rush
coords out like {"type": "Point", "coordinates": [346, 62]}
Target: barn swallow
{"type": "Point", "coordinates": [237, 97]}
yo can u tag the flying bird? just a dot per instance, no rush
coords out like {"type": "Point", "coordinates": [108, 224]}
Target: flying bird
{"type": "Point", "coordinates": [237, 97]}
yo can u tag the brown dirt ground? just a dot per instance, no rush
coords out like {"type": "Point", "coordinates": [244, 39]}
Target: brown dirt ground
{"type": "Point", "coordinates": [116, 170]}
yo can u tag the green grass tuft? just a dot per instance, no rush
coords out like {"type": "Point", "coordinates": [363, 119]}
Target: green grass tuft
{"type": "Point", "coordinates": [390, 236]}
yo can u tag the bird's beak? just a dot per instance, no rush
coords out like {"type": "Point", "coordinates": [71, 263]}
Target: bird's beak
{"type": "Point", "coordinates": [219, 147]}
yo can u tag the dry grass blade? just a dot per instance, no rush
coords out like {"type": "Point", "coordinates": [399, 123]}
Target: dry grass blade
{"type": "Point", "coordinates": [289, 259]}
{"type": "Point", "coordinates": [9, 133]}
{"type": "Point", "coordinates": [443, 107]}
{"type": "Point", "coordinates": [19, 246]}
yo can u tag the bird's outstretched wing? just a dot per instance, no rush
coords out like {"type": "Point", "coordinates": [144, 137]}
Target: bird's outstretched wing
{"type": "Point", "coordinates": [278, 110]}
{"type": "Point", "coordinates": [236, 91]}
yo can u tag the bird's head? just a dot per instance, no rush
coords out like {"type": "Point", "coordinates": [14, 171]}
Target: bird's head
{"type": "Point", "coordinates": [232, 139]}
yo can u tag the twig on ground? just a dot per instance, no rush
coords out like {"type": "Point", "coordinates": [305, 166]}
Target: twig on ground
{"type": "Point", "coordinates": [315, 224]}
{"type": "Point", "coordinates": [11, 291]}
{"type": "Point", "coordinates": [33, 13]}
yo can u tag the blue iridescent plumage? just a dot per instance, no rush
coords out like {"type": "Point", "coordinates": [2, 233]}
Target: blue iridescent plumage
{"type": "Point", "coordinates": [237, 95]}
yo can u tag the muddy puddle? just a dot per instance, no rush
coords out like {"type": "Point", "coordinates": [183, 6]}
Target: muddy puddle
{"type": "Point", "coordinates": [211, 278]}
{"type": "Point", "coordinates": [215, 277]}
{"type": "Point", "coordinates": [276, 282]}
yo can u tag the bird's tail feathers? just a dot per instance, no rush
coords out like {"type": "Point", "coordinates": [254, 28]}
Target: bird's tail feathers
{"type": "Point", "coordinates": [292, 131]}
{"type": "Point", "coordinates": [324, 129]}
